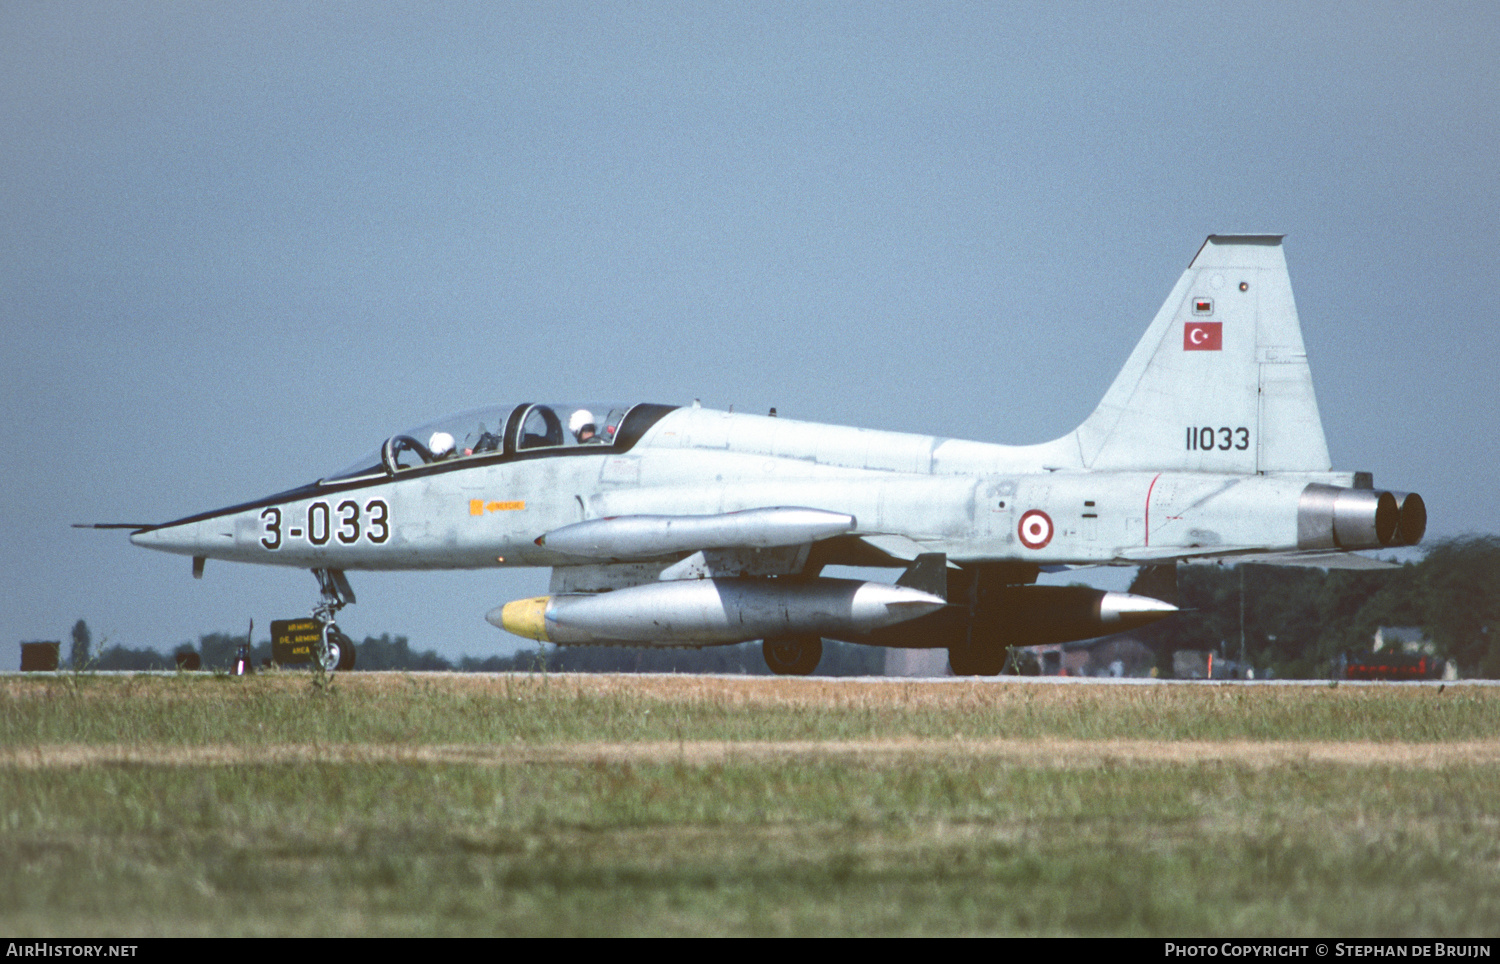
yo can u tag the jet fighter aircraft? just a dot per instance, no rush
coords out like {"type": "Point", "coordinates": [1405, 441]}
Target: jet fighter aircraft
{"type": "Point", "coordinates": [674, 526]}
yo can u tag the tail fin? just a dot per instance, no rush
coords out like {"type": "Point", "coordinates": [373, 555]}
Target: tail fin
{"type": "Point", "coordinates": [1219, 382]}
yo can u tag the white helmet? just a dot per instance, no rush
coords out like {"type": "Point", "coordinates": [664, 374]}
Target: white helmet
{"type": "Point", "coordinates": [440, 444]}
{"type": "Point", "coordinates": [581, 418]}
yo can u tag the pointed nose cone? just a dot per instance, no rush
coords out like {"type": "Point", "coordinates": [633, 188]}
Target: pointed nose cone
{"type": "Point", "coordinates": [169, 538]}
{"type": "Point", "coordinates": [1122, 610]}
{"type": "Point", "coordinates": [899, 603]}
{"type": "Point", "coordinates": [212, 537]}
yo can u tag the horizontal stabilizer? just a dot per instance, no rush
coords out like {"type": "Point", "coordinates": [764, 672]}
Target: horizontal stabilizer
{"type": "Point", "coordinates": [1232, 555]}
{"type": "Point", "coordinates": [1318, 560]}
{"type": "Point", "coordinates": [1152, 555]}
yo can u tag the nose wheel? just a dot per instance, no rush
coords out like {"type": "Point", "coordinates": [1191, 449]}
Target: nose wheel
{"type": "Point", "coordinates": [335, 650]}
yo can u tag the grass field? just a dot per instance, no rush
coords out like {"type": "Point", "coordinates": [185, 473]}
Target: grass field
{"type": "Point", "coordinates": [390, 804]}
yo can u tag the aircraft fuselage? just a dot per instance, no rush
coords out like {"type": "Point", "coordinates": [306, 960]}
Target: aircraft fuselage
{"type": "Point", "coordinates": [965, 499]}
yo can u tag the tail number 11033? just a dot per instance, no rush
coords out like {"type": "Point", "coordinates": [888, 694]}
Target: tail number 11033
{"type": "Point", "coordinates": [1222, 439]}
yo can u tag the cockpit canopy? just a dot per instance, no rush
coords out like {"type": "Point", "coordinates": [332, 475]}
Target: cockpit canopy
{"type": "Point", "coordinates": [503, 430]}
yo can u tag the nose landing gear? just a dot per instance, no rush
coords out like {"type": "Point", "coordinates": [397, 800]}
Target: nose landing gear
{"type": "Point", "coordinates": [335, 650]}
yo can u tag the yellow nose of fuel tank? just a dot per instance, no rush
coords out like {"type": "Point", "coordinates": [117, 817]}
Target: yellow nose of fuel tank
{"type": "Point", "coordinates": [524, 617]}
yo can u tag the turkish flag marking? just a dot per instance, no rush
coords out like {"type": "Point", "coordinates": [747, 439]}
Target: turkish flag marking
{"type": "Point", "coordinates": [1203, 336]}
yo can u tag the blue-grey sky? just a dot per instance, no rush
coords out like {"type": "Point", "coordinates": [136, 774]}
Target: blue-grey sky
{"type": "Point", "coordinates": [242, 243]}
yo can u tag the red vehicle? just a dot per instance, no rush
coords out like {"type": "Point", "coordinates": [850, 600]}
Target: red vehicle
{"type": "Point", "coordinates": [1388, 665]}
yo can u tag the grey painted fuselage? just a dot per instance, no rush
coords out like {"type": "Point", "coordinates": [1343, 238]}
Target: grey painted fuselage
{"type": "Point", "coordinates": [964, 499]}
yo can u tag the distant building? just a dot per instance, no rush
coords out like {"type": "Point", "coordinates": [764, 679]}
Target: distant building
{"type": "Point", "coordinates": [1121, 656]}
{"type": "Point", "coordinates": [1051, 659]}
{"type": "Point", "coordinates": [1117, 656]}
{"type": "Point", "coordinates": [1205, 664]}
{"type": "Point", "coordinates": [1403, 639]}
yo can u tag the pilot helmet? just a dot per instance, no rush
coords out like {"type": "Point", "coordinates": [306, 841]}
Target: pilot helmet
{"type": "Point", "coordinates": [581, 419]}
{"type": "Point", "coordinates": [440, 444]}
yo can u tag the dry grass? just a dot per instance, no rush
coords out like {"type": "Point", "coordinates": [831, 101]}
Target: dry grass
{"type": "Point", "coordinates": [571, 708]}
{"type": "Point", "coordinates": [590, 805]}
{"type": "Point", "coordinates": [1045, 752]}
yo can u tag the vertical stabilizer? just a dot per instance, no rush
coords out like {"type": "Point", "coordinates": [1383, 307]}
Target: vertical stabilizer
{"type": "Point", "coordinates": [1220, 381]}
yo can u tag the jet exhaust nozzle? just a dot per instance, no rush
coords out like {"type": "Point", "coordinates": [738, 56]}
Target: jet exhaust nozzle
{"type": "Point", "coordinates": [1413, 518]}
{"type": "Point", "coordinates": [715, 612]}
{"type": "Point", "coordinates": [1331, 517]}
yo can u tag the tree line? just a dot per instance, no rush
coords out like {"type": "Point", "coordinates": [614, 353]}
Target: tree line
{"type": "Point", "coordinates": [1295, 621]}
{"type": "Point", "coordinates": [218, 651]}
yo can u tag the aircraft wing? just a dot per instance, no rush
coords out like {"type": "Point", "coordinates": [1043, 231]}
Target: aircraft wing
{"type": "Point", "coordinates": [635, 537]}
{"type": "Point", "coordinates": [898, 547]}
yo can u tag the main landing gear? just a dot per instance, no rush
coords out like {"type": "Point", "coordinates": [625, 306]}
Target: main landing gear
{"type": "Point", "coordinates": [793, 655]}
{"type": "Point", "coordinates": [970, 659]}
{"type": "Point", "coordinates": [335, 650]}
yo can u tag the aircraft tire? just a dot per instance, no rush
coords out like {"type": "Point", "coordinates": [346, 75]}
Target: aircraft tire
{"type": "Point", "coordinates": [975, 661]}
{"type": "Point", "coordinates": [338, 650]}
{"type": "Point", "coordinates": [792, 655]}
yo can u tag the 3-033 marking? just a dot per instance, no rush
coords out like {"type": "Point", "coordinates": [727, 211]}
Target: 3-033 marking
{"type": "Point", "coordinates": [1223, 438]}
{"type": "Point", "coordinates": [323, 524]}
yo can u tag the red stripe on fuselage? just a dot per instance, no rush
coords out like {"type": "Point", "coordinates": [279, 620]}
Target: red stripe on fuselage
{"type": "Point", "coordinates": [1149, 489]}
